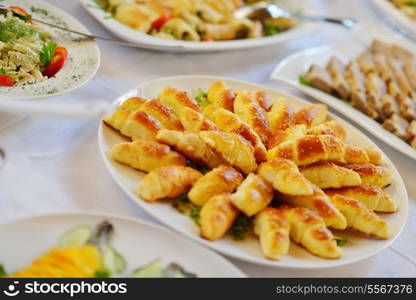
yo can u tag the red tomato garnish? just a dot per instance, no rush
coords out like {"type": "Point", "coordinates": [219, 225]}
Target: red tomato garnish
{"type": "Point", "coordinates": [59, 57]}
{"type": "Point", "coordinates": [6, 80]}
{"type": "Point", "coordinates": [20, 11]}
{"type": "Point", "coordinates": [158, 23]}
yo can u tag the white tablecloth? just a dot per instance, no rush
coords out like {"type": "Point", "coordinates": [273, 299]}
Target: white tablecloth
{"type": "Point", "coordinates": [53, 164]}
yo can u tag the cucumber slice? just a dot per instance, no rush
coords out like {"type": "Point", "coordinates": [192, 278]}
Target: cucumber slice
{"type": "Point", "coordinates": [76, 237]}
{"type": "Point", "coordinates": [113, 261]}
{"type": "Point", "coordinates": [151, 270]}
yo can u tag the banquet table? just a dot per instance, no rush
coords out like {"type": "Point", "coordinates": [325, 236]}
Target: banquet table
{"type": "Point", "coordinates": [53, 164]}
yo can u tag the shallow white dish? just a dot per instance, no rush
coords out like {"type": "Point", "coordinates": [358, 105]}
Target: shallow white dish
{"type": "Point", "coordinates": [290, 68]}
{"type": "Point", "coordinates": [83, 56]}
{"type": "Point", "coordinates": [138, 241]}
{"type": "Point", "coordinates": [128, 179]}
{"type": "Point", "coordinates": [131, 35]}
{"type": "Point", "coordinates": [400, 20]}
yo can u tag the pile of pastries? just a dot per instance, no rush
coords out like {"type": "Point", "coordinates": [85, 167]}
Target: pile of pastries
{"type": "Point", "coordinates": [291, 171]}
{"type": "Point", "coordinates": [380, 82]}
{"type": "Point", "coordinates": [192, 20]}
{"type": "Point", "coordinates": [408, 7]}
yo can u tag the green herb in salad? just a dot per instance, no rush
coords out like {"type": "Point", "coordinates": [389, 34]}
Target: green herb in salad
{"type": "Point", "coordinates": [411, 3]}
{"type": "Point", "coordinates": [303, 80]}
{"type": "Point", "coordinates": [102, 274]}
{"type": "Point", "coordinates": [341, 241]}
{"type": "Point", "coordinates": [13, 29]}
{"type": "Point", "coordinates": [241, 227]}
{"type": "Point", "coordinates": [46, 55]}
{"type": "Point", "coordinates": [201, 97]}
{"type": "Point", "coordinates": [271, 29]}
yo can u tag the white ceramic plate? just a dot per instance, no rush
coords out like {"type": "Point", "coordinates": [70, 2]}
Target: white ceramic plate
{"type": "Point", "coordinates": [128, 179]}
{"type": "Point", "coordinates": [83, 59]}
{"type": "Point", "coordinates": [290, 68]}
{"type": "Point", "coordinates": [139, 242]}
{"type": "Point", "coordinates": [131, 35]}
{"type": "Point", "coordinates": [399, 18]}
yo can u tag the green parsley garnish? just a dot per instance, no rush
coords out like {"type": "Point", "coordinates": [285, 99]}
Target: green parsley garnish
{"type": "Point", "coordinates": [12, 29]}
{"type": "Point", "coordinates": [241, 227]}
{"type": "Point", "coordinates": [303, 80]}
{"type": "Point", "coordinates": [201, 97]}
{"type": "Point", "coordinates": [411, 3]}
{"type": "Point", "coordinates": [341, 241]}
{"type": "Point", "coordinates": [46, 55]}
{"type": "Point", "coordinates": [102, 274]}
{"type": "Point", "coordinates": [271, 29]}
{"type": "Point", "coordinates": [3, 272]}
{"type": "Point", "coordinates": [193, 165]}
{"type": "Point", "coordinates": [183, 205]}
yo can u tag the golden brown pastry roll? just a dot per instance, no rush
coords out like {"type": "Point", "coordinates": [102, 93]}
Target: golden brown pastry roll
{"type": "Point", "coordinates": [141, 125]}
{"type": "Point", "coordinates": [291, 133]}
{"type": "Point", "coordinates": [254, 194]}
{"type": "Point", "coordinates": [281, 115]}
{"type": "Point", "coordinates": [331, 127]}
{"type": "Point", "coordinates": [223, 179]}
{"type": "Point", "coordinates": [146, 155]}
{"type": "Point", "coordinates": [329, 175]}
{"type": "Point", "coordinates": [310, 149]}
{"type": "Point", "coordinates": [194, 121]}
{"type": "Point", "coordinates": [248, 110]}
{"type": "Point", "coordinates": [320, 203]}
{"type": "Point", "coordinates": [264, 100]}
{"type": "Point", "coordinates": [371, 174]}
{"type": "Point", "coordinates": [309, 230]}
{"type": "Point", "coordinates": [221, 96]}
{"type": "Point", "coordinates": [167, 182]}
{"type": "Point", "coordinates": [234, 149]}
{"type": "Point", "coordinates": [285, 177]}
{"type": "Point", "coordinates": [177, 100]}
{"type": "Point", "coordinates": [192, 146]}
{"type": "Point", "coordinates": [273, 230]}
{"type": "Point", "coordinates": [357, 155]}
{"type": "Point", "coordinates": [372, 196]}
{"type": "Point", "coordinates": [163, 113]}
{"type": "Point", "coordinates": [217, 216]}
{"type": "Point", "coordinates": [121, 114]}
{"type": "Point", "coordinates": [312, 115]}
{"type": "Point", "coordinates": [230, 122]}
{"type": "Point", "coordinates": [360, 218]}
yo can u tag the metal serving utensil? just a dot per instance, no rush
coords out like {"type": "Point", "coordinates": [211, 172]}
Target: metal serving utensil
{"type": "Point", "coordinates": [4, 10]}
{"type": "Point", "coordinates": [265, 10]}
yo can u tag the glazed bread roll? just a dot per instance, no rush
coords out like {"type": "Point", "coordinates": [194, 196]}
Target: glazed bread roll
{"type": "Point", "coordinates": [321, 204]}
{"type": "Point", "coordinates": [223, 179]}
{"type": "Point", "coordinates": [195, 122]}
{"type": "Point", "coordinates": [192, 146]}
{"type": "Point", "coordinates": [167, 182]}
{"type": "Point", "coordinates": [359, 217]}
{"type": "Point", "coordinates": [234, 149]}
{"type": "Point", "coordinates": [285, 177]}
{"type": "Point", "coordinates": [330, 127]}
{"type": "Point", "coordinates": [372, 196]}
{"type": "Point", "coordinates": [217, 216]}
{"type": "Point", "coordinates": [264, 100]}
{"type": "Point", "coordinates": [312, 115]}
{"type": "Point", "coordinates": [329, 175]}
{"type": "Point", "coordinates": [230, 122]}
{"type": "Point", "coordinates": [281, 115]}
{"type": "Point", "coordinates": [309, 230]}
{"type": "Point", "coordinates": [248, 110]}
{"type": "Point", "coordinates": [141, 125]}
{"type": "Point", "coordinates": [371, 174]}
{"type": "Point", "coordinates": [121, 114]}
{"type": "Point", "coordinates": [254, 194]}
{"type": "Point", "coordinates": [163, 113]}
{"type": "Point", "coordinates": [219, 95]}
{"type": "Point", "coordinates": [146, 155]}
{"type": "Point", "coordinates": [357, 155]}
{"type": "Point", "coordinates": [177, 100]}
{"type": "Point", "coordinates": [273, 230]}
{"type": "Point", "coordinates": [289, 134]}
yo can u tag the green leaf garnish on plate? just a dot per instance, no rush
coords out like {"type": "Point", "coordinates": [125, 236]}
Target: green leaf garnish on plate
{"type": "Point", "coordinates": [303, 80]}
{"type": "Point", "coordinates": [341, 241]}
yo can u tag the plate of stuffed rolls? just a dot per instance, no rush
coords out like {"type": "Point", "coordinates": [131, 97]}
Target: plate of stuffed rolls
{"type": "Point", "coordinates": [197, 26]}
{"type": "Point", "coordinates": [253, 173]}
{"type": "Point", "coordinates": [372, 82]}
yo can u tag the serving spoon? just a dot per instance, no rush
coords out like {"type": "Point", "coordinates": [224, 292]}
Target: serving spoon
{"type": "Point", "coordinates": [265, 10]}
{"type": "Point", "coordinates": [4, 10]}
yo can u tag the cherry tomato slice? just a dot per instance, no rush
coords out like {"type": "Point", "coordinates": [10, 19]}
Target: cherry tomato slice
{"type": "Point", "coordinates": [158, 23]}
{"type": "Point", "coordinates": [20, 11]}
{"type": "Point", "coordinates": [6, 80]}
{"type": "Point", "coordinates": [59, 57]}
